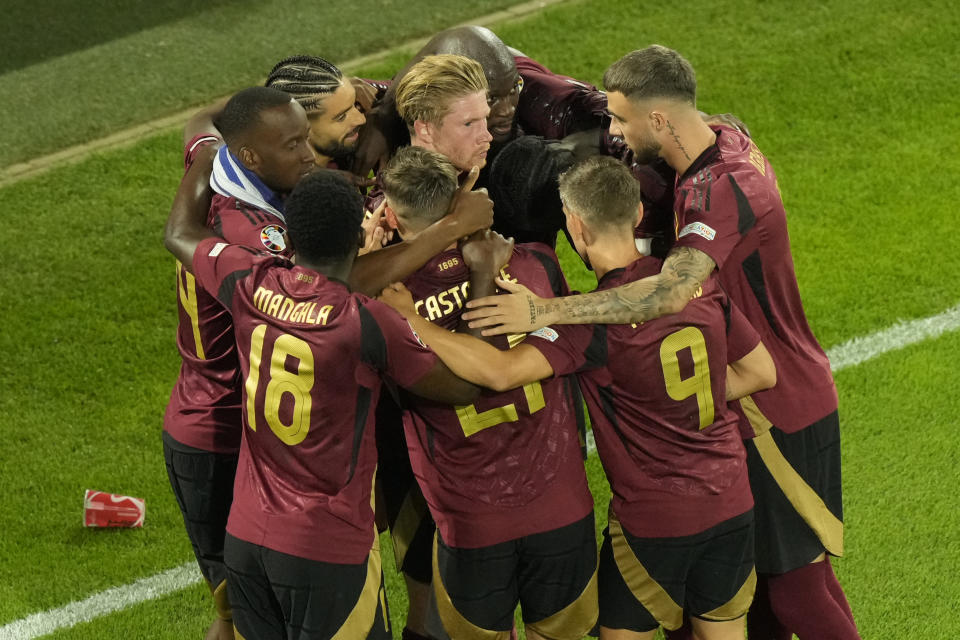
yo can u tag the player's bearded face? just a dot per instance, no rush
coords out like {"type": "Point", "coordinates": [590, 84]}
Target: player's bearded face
{"type": "Point", "coordinates": [631, 123]}
{"type": "Point", "coordinates": [462, 135]}
{"type": "Point", "coordinates": [335, 127]}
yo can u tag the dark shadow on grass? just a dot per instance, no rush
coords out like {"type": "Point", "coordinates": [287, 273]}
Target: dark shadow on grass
{"type": "Point", "coordinates": [32, 31]}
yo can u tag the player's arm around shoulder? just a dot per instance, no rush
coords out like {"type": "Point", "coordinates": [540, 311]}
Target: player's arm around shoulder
{"type": "Point", "coordinates": [186, 225]}
{"type": "Point", "coordinates": [401, 354]}
{"type": "Point", "coordinates": [469, 357]}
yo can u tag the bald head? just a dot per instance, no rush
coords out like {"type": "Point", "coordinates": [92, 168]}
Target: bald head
{"type": "Point", "coordinates": [496, 59]}
{"type": "Point", "coordinates": [476, 43]}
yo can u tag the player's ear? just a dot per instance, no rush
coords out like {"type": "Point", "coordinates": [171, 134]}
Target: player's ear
{"type": "Point", "coordinates": [423, 131]}
{"type": "Point", "coordinates": [249, 158]}
{"type": "Point", "coordinates": [639, 215]}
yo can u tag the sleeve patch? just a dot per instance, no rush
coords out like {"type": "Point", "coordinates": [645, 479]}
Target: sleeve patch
{"type": "Point", "coordinates": [217, 249]}
{"type": "Point", "coordinates": [416, 335]}
{"type": "Point", "coordinates": [546, 333]}
{"type": "Point", "coordinates": [704, 231]}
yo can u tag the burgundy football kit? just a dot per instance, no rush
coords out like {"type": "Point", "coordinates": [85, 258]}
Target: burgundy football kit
{"type": "Point", "coordinates": [504, 479]}
{"type": "Point", "coordinates": [728, 206]}
{"type": "Point", "coordinates": [202, 429]}
{"type": "Point", "coordinates": [671, 450]}
{"type": "Point", "coordinates": [312, 355]}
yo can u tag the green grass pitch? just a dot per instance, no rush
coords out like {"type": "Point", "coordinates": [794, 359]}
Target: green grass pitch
{"type": "Point", "coordinates": [854, 103]}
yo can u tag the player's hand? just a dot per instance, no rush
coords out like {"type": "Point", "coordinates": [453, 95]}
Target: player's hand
{"type": "Point", "coordinates": [375, 230]}
{"type": "Point", "coordinates": [399, 297]}
{"type": "Point", "coordinates": [728, 120]}
{"type": "Point", "coordinates": [472, 210]}
{"type": "Point", "coordinates": [486, 251]}
{"type": "Point", "coordinates": [373, 147]}
{"type": "Point", "coordinates": [518, 312]}
{"type": "Point", "coordinates": [366, 94]}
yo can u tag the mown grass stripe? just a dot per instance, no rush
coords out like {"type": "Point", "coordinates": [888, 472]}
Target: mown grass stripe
{"type": "Point", "coordinates": [847, 354]}
{"type": "Point", "coordinates": [102, 603]}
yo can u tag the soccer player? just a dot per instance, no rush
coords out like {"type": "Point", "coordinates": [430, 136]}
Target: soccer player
{"type": "Point", "coordinates": [681, 505]}
{"type": "Point", "coordinates": [504, 476]}
{"type": "Point", "coordinates": [330, 103]}
{"type": "Point", "coordinates": [443, 101]}
{"type": "Point", "coordinates": [731, 219]}
{"type": "Point", "coordinates": [266, 134]}
{"type": "Point", "coordinates": [302, 550]}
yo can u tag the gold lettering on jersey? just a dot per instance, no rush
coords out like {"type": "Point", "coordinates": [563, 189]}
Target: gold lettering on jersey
{"type": "Point", "coordinates": [697, 293]}
{"type": "Point", "coordinates": [757, 159]}
{"type": "Point", "coordinates": [260, 298]}
{"type": "Point", "coordinates": [287, 310]}
{"type": "Point", "coordinates": [274, 305]}
{"type": "Point", "coordinates": [447, 264]}
{"type": "Point", "coordinates": [324, 314]}
{"type": "Point", "coordinates": [303, 277]}
{"type": "Point", "coordinates": [505, 275]}
{"type": "Point", "coordinates": [444, 303]}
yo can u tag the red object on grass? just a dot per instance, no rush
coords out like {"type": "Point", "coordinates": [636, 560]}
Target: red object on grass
{"type": "Point", "coordinates": [111, 510]}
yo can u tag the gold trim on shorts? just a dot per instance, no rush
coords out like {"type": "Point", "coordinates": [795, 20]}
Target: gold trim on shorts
{"type": "Point", "coordinates": [576, 619]}
{"type": "Point", "coordinates": [222, 601]}
{"type": "Point", "coordinates": [644, 588]}
{"type": "Point", "coordinates": [453, 621]}
{"type": "Point", "coordinates": [804, 499]}
{"type": "Point", "coordinates": [758, 422]}
{"type": "Point", "coordinates": [408, 521]}
{"type": "Point", "coordinates": [364, 613]}
{"type": "Point", "coordinates": [737, 606]}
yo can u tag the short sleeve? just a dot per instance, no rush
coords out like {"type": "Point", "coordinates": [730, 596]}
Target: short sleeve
{"type": "Point", "coordinates": [391, 346]}
{"type": "Point", "coordinates": [195, 145]}
{"type": "Point", "coordinates": [219, 266]}
{"type": "Point", "coordinates": [711, 215]}
{"type": "Point", "coordinates": [571, 347]}
{"type": "Point", "coordinates": [742, 338]}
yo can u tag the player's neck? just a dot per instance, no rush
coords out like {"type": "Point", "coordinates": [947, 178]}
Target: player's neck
{"type": "Point", "coordinates": [685, 137]}
{"type": "Point", "coordinates": [321, 160]}
{"type": "Point", "coordinates": [612, 252]}
{"type": "Point", "coordinates": [333, 270]}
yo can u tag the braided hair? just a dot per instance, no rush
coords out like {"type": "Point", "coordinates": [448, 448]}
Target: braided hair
{"type": "Point", "coordinates": [307, 79]}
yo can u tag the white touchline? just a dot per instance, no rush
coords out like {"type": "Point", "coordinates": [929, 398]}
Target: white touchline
{"type": "Point", "coordinates": [848, 354]}
{"type": "Point", "coordinates": [103, 603]}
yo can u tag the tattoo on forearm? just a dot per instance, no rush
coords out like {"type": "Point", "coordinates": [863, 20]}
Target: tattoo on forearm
{"type": "Point", "coordinates": [683, 272]}
{"type": "Point", "coordinates": [676, 139]}
{"type": "Point", "coordinates": [533, 310]}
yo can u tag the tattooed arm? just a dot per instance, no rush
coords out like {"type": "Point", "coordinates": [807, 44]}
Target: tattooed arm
{"type": "Point", "coordinates": [683, 272]}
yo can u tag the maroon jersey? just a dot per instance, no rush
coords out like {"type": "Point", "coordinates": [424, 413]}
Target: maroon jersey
{"type": "Point", "coordinates": [311, 355]}
{"type": "Point", "coordinates": [728, 205]}
{"type": "Point", "coordinates": [204, 407]}
{"type": "Point", "coordinates": [510, 464]}
{"type": "Point", "coordinates": [656, 393]}
{"type": "Point", "coordinates": [554, 106]}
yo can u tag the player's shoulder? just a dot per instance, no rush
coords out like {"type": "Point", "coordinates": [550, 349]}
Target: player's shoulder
{"type": "Point", "coordinates": [195, 144]}
{"type": "Point", "coordinates": [535, 251]}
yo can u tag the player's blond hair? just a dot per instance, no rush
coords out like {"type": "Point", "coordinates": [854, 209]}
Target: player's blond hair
{"type": "Point", "coordinates": [602, 191]}
{"type": "Point", "coordinates": [426, 91]}
{"type": "Point", "coordinates": [419, 185]}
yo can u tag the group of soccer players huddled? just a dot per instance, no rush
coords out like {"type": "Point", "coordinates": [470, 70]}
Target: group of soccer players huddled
{"type": "Point", "coordinates": [376, 334]}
